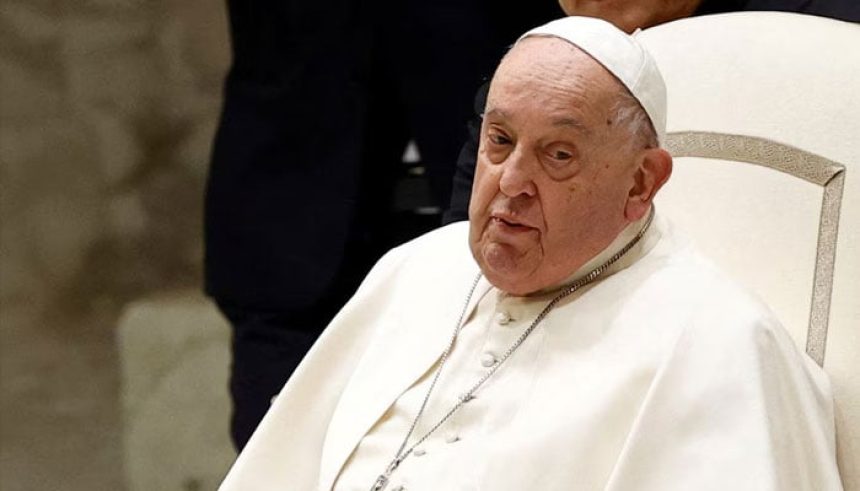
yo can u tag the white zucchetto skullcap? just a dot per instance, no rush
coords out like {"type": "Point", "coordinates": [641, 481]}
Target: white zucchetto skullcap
{"type": "Point", "coordinates": [621, 54]}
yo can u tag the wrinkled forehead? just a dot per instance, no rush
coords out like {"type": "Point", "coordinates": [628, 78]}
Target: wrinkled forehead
{"type": "Point", "coordinates": [547, 53]}
{"type": "Point", "coordinates": [547, 65]}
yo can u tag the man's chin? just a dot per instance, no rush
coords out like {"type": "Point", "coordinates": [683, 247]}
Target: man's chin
{"type": "Point", "coordinates": [506, 267]}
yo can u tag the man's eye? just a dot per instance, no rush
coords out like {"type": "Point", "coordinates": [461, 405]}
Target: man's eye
{"type": "Point", "coordinates": [558, 154]}
{"type": "Point", "coordinates": [498, 139]}
{"type": "Point", "coordinates": [560, 157]}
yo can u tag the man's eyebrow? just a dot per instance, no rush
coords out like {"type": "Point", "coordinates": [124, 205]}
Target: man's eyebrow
{"type": "Point", "coordinates": [570, 122]}
{"type": "Point", "coordinates": [496, 112]}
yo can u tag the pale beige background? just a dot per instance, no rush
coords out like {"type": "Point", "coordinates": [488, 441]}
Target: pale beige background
{"type": "Point", "coordinates": [107, 112]}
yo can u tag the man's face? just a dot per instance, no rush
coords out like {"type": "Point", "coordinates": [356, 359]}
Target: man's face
{"type": "Point", "coordinates": [554, 170]}
{"type": "Point", "coordinates": [628, 15]}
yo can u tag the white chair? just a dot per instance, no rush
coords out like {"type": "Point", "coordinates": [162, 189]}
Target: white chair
{"type": "Point", "coordinates": [781, 91]}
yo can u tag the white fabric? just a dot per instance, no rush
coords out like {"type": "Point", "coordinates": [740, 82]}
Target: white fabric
{"type": "Point", "coordinates": [662, 376]}
{"type": "Point", "coordinates": [621, 54]}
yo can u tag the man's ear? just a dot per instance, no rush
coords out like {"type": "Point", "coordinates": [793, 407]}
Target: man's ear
{"type": "Point", "coordinates": [653, 168]}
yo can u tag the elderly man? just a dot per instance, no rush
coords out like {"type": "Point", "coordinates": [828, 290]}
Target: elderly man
{"type": "Point", "coordinates": [566, 338]}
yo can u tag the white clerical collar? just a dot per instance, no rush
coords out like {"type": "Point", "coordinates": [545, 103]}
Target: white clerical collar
{"type": "Point", "coordinates": [648, 240]}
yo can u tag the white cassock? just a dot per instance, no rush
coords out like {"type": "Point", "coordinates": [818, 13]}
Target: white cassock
{"type": "Point", "coordinates": [662, 375]}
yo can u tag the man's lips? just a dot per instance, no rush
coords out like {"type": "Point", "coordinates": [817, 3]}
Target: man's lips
{"type": "Point", "coordinates": [509, 223]}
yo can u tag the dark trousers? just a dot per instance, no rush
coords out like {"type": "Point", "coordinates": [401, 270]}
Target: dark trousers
{"type": "Point", "coordinates": [266, 347]}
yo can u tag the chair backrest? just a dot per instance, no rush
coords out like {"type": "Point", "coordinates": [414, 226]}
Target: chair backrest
{"type": "Point", "coordinates": [781, 91]}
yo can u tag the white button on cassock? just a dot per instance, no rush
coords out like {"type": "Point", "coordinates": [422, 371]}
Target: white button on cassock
{"type": "Point", "coordinates": [451, 438]}
{"type": "Point", "coordinates": [503, 318]}
{"type": "Point", "coordinates": [418, 452]}
{"type": "Point", "coordinates": [466, 397]}
{"type": "Point", "coordinates": [488, 359]}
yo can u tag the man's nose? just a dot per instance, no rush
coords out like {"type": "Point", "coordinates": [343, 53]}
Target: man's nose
{"type": "Point", "coordinates": [518, 174]}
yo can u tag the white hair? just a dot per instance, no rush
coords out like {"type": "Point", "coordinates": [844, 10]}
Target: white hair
{"type": "Point", "coordinates": [628, 115]}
